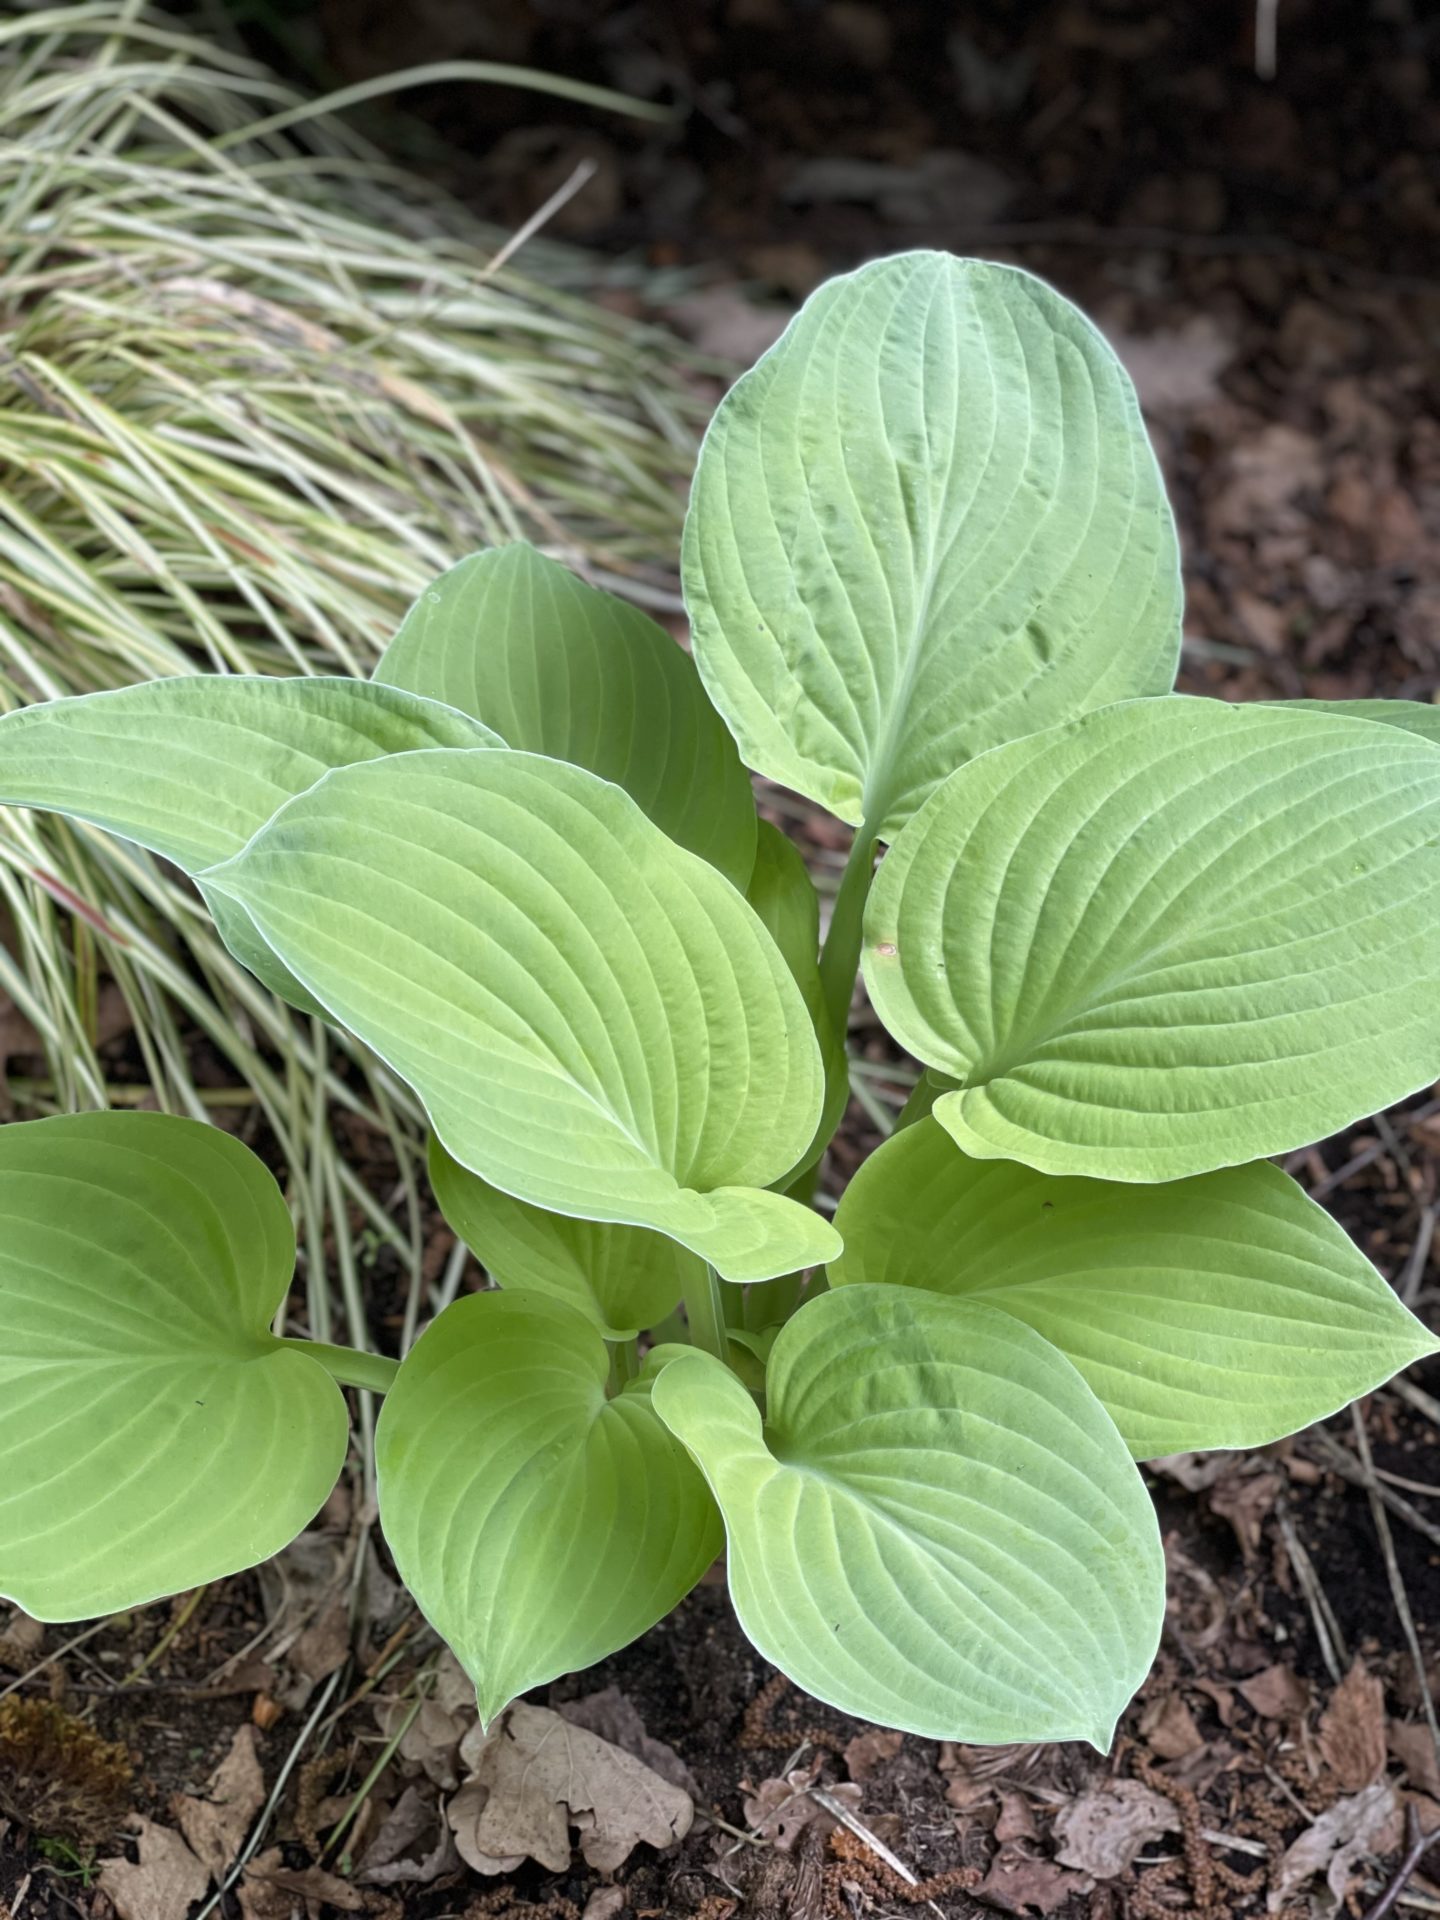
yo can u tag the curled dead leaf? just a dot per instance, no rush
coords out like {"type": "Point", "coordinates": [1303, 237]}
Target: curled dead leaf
{"type": "Point", "coordinates": [1366, 1823]}
{"type": "Point", "coordinates": [535, 1775]}
{"type": "Point", "coordinates": [1351, 1735]}
{"type": "Point", "coordinates": [1101, 1832]}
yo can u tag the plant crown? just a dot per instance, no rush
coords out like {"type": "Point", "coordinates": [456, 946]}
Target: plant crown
{"type": "Point", "coordinates": [1136, 944]}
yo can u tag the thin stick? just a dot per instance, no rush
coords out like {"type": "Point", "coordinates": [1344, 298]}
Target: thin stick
{"type": "Point", "coordinates": [1392, 1569]}
{"type": "Point", "coordinates": [1419, 1845]}
{"type": "Point", "coordinates": [838, 1810]}
{"type": "Point", "coordinates": [1327, 1628]}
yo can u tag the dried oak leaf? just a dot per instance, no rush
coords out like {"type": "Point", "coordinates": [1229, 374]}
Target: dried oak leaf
{"type": "Point", "coordinates": [611, 1715]}
{"type": "Point", "coordinates": [1351, 1735]}
{"type": "Point", "coordinates": [535, 1775]}
{"type": "Point", "coordinates": [164, 1884]}
{"type": "Point", "coordinates": [215, 1824]}
{"type": "Point", "coordinates": [1367, 1823]}
{"type": "Point", "coordinates": [413, 1845]}
{"type": "Point", "coordinates": [269, 1890]}
{"type": "Point", "coordinates": [1101, 1832]}
{"type": "Point", "coordinates": [1020, 1882]}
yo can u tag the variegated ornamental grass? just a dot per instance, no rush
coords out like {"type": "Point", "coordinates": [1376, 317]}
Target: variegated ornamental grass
{"type": "Point", "coordinates": [1137, 943]}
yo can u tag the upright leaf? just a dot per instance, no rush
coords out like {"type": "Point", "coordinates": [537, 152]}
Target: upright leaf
{"type": "Point", "coordinates": [1172, 936]}
{"type": "Point", "coordinates": [927, 521]}
{"type": "Point", "coordinates": [936, 1525]}
{"type": "Point", "coordinates": [783, 894]}
{"type": "Point", "coordinates": [191, 767]}
{"type": "Point", "coordinates": [595, 1020]}
{"type": "Point", "coordinates": [1221, 1311]}
{"type": "Point", "coordinates": [539, 1525]}
{"type": "Point", "coordinates": [154, 1434]}
{"type": "Point", "coordinates": [620, 1277]}
{"type": "Point", "coordinates": [559, 668]}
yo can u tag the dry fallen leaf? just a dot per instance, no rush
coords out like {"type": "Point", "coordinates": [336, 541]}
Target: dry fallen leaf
{"type": "Point", "coordinates": [535, 1775]}
{"type": "Point", "coordinates": [869, 1750]}
{"type": "Point", "coordinates": [604, 1904]}
{"type": "Point", "coordinates": [1414, 1747]}
{"type": "Point", "coordinates": [611, 1715]}
{"type": "Point", "coordinates": [780, 1810]}
{"type": "Point", "coordinates": [1245, 1500]}
{"type": "Point", "coordinates": [166, 1882]}
{"type": "Point", "coordinates": [269, 1890]}
{"type": "Point", "coordinates": [430, 1744]}
{"type": "Point", "coordinates": [1101, 1832]}
{"type": "Point", "coordinates": [1016, 1821]}
{"type": "Point", "coordinates": [1351, 1736]}
{"type": "Point", "coordinates": [1019, 1882]}
{"type": "Point", "coordinates": [1168, 1727]}
{"type": "Point", "coordinates": [413, 1845]}
{"type": "Point", "coordinates": [217, 1822]}
{"type": "Point", "coordinates": [1369, 1822]}
{"type": "Point", "coordinates": [1177, 368]}
{"type": "Point", "coordinates": [1276, 1693]}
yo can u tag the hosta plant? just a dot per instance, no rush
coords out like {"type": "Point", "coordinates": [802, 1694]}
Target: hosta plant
{"type": "Point", "coordinates": [1136, 944]}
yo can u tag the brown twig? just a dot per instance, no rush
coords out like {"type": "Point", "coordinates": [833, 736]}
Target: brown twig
{"type": "Point", "coordinates": [1419, 1845]}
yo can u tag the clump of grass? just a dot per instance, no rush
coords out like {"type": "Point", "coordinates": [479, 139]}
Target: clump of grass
{"type": "Point", "coordinates": [256, 388]}
{"type": "Point", "coordinates": [58, 1777]}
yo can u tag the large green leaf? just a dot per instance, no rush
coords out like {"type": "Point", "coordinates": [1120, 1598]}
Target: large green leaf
{"type": "Point", "coordinates": [191, 767]}
{"type": "Point", "coordinates": [594, 1018]}
{"type": "Point", "coordinates": [928, 520]}
{"type": "Point", "coordinates": [622, 1278]}
{"type": "Point", "coordinates": [936, 1525]}
{"type": "Point", "coordinates": [1171, 936]}
{"type": "Point", "coordinates": [1221, 1311]}
{"type": "Point", "coordinates": [1413, 716]}
{"type": "Point", "coordinates": [154, 1434]}
{"type": "Point", "coordinates": [783, 894]}
{"type": "Point", "coordinates": [559, 668]}
{"type": "Point", "coordinates": [539, 1525]}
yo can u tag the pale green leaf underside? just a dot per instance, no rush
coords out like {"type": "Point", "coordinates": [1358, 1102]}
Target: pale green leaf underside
{"type": "Point", "coordinates": [937, 1527]}
{"type": "Point", "coordinates": [539, 1525]}
{"type": "Point", "coordinates": [594, 1018]}
{"type": "Point", "coordinates": [927, 521]}
{"type": "Point", "coordinates": [153, 1433]}
{"type": "Point", "coordinates": [192, 767]}
{"type": "Point", "coordinates": [622, 1278]}
{"type": "Point", "coordinates": [1221, 1311]}
{"type": "Point", "coordinates": [1172, 936]}
{"type": "Point", "coordinates": [783, 895]}
{"type": "Point", "coordinates": [559, 668]}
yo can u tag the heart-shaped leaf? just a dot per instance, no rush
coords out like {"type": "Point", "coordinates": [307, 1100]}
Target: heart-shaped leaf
{"type": "Point", "coordinates": [936, 1526]}
{"type": "Point", "coordinates": [1221, 1311]}
{"type": "Point", "coordinates": [559, 668]}
{"type": "Point", "coordinates": [594, 1018]}
{"type": "Point", "coordinates": [154, 1434]}
{"type": "Point", "coordinates": [928, 520]}
{"type": "Point", "coordinates": [1413, 716]}
{"type": "Point", "coordinates": [539, 1525]}
{"type": "Point", "coordinates": [622, 1278]}
{"type": "Point", "coordinates": [1171, 936]}
{"type": "Point", "coordinates": [191, 767]}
